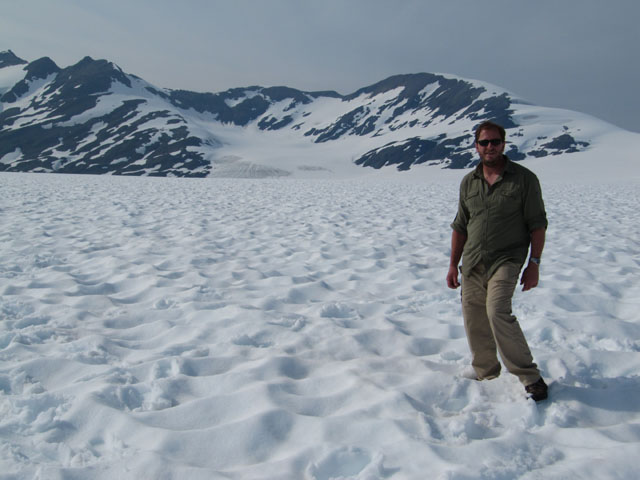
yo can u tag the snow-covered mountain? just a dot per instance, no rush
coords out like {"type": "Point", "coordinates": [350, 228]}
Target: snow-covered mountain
{"type": "Point", "coordinates": [92, 117]}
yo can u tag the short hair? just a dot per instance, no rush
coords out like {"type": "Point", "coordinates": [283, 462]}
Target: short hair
{"type": "Point", "coordinates": [489, 125]}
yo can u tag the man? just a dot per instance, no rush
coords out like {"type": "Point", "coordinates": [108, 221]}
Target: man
{"type": "Point", "coordinates": [500, 214]}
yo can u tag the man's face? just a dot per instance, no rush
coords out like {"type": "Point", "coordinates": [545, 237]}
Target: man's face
{"type": "Point", "coordinates": [491, 155]}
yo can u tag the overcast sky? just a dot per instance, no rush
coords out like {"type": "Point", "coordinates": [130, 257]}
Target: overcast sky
{"type": "Point", "coordinates": [575, 54]}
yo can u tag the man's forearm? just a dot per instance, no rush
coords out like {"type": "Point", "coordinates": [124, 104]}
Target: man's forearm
{"type": "Point", "coordinates": [457, 246]}
{"type": "Point", "coordinates": [537, 242]}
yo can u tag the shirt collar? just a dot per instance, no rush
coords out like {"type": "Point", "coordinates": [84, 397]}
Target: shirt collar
{"type": "Point", "coordinates": [508, 167]}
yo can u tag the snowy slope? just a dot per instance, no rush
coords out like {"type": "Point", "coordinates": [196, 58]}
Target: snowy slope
{"type": "Point", "coordinates": [92, 117]}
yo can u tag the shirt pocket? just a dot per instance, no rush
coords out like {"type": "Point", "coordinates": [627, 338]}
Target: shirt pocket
{"type": "Point", "coordinates": [509, 200]}
{"type": "Point", "coordinates": [474, 202]}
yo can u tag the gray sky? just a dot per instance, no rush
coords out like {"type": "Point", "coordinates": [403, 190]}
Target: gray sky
{"type": "Point", "coordinates": [575, 54]}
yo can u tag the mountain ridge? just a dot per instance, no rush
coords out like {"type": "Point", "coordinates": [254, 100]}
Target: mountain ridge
{"type": "Point", "coordinates": [92, 117]}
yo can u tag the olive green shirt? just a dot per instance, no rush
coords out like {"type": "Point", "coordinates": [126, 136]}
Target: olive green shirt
{"type": "Point", "coordinates": [498, 220]}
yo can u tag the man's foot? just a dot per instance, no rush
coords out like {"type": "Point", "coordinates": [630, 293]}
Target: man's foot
{"type": "Point", "coordinates": [537, 391]}
{"type": "Point", "coordinates": [469, 373]}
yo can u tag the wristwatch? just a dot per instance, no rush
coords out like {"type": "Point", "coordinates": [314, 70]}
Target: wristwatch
{"type": "Point", "coordinates": [535, 260]}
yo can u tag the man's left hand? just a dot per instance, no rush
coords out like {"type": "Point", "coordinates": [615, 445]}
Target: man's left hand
{"type": "Point", "coordinates": [530, 277]}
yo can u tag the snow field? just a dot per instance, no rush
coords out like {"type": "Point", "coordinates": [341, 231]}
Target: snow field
{"type": "Point", "coordinates": [299, 329]}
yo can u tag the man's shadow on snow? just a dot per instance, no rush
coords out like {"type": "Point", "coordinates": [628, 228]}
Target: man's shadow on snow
{"type": "Point", "coordinates": [611, 396]}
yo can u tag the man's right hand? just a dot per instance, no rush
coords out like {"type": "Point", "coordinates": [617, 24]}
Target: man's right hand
{"type": "Point", "coordinates": [452, 277]}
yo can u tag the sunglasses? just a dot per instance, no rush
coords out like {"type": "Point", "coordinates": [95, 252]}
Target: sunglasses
{"type": "Point", "coordinates": [494, 141]}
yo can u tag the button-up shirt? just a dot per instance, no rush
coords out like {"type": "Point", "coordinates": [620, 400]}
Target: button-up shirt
{"type": "Point", "coordinates": [498, 219]}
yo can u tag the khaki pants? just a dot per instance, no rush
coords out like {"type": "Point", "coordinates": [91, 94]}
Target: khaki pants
{"type": "Point", "coordinates": [490, 324]}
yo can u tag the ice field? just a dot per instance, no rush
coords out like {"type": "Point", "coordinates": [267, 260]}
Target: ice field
{"type": "Point", "coordinates": [163, 328]}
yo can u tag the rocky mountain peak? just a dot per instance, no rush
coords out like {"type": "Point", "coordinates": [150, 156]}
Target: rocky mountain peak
{"type": "Point", "coordinates": [9, 59]}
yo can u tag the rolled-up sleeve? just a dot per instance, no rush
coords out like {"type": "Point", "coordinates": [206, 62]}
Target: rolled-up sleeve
{"type": "Point", "coordinates": [459, 224]}
{"type": "Point", "coordinates": [534, 212]}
